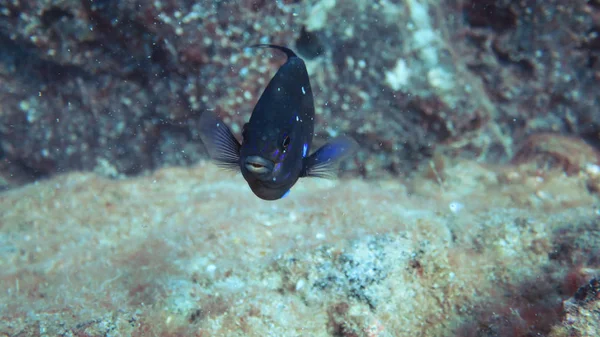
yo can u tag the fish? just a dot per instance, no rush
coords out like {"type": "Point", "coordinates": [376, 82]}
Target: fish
{"type": "Point", "coordinates": [275, 150]}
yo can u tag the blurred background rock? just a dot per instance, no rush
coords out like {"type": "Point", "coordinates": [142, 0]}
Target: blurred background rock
{"type": "Point", "coordinates": [118, 86]}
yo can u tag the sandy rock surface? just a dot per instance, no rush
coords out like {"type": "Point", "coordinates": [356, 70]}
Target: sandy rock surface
{"type": "Point", "coordinates": [485, 252]}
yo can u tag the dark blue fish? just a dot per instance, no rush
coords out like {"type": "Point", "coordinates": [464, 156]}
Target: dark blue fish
{"type": "Point", "coordinates": [275, 149]}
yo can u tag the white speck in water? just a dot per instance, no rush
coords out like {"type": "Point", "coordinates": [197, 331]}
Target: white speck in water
{"type": "Point", "coordinates": [592, 169]}
{"type": "Point", "coordinates": [278, 89]}
{"type": "Point", "coordinates": [303, 91]}
{"type": "Point", "coordinates": [210, 269]}
{"type": "Point", "coordinates": [297, 118]}
{"type": "Point", "coordinates": [455, 207]}
{"type": "Point", "coordinates": [320, 236]}
{"type": "Point", "coordinates": [300, 284]}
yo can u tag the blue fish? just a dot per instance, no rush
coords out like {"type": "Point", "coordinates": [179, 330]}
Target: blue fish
{"type": "Point", "coordinates": [275, 149]}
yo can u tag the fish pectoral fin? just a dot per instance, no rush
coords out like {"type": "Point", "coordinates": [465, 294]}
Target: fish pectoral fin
{"type": "Point", "coordinates": [323, 163]}
{"type": "Point", "coordinates": [221, 144]}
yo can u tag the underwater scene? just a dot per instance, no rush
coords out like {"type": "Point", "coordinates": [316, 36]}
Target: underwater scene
{"type": "Point", "coordinates": [326, 168]}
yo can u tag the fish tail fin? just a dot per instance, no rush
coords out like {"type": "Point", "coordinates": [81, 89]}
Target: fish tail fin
{"type": "Point", "coordinates": [323, 163]}
{"type": "Point", "coordinates": [288, 52]}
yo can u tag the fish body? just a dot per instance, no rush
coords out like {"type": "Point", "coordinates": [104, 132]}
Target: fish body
{"type": "Point", "coordinates": [276, 141]}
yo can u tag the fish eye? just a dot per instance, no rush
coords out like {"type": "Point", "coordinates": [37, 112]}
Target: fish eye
{"type": "Point", "coordinates": [286, 141]}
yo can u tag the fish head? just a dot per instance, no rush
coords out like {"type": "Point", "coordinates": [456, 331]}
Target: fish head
{"type": "Point", "coordinates": [271, 157]}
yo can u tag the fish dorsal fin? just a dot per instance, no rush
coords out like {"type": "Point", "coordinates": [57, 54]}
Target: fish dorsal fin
{"type": "Point", "coordinates": [288, 52]}
{"type": "Point", "coordinates": [221, 144]}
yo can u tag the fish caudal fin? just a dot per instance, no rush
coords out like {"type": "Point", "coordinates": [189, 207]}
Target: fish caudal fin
{"type": "Point", "coordinates": [288, 52]}
{"type": "Point", "coordinates": [323, 163]}
{"type": "Point", "coordinates": [221, 144]}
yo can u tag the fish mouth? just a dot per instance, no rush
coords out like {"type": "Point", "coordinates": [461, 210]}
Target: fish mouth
{"type": "Point", "coordinates": [258, 165]}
